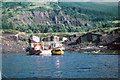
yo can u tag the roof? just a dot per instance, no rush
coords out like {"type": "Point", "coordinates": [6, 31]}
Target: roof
{"type": "Point", "coordinates": [56, 43]}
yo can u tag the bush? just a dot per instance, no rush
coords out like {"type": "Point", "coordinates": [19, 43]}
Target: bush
{"type": "Point", "coordinates": [10, 32]}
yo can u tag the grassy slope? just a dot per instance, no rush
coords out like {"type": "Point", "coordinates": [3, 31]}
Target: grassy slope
{"type": "Point", "coordinates": [107, 7]}
{"type": "Point", "coordinates": [17, 8]}
{"type": "Point", "coordinates": [105, 30]}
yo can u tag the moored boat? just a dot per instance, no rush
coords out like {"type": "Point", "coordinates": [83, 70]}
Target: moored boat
{"type": "Point", "coordinates": [37, 48]}
{"type": "Point", "coordinates": [58, 51]}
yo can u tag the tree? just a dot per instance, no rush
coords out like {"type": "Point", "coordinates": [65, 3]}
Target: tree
{"type": "Point", "coordinates": [50, 30]}
{"type": "Point", "coordinates": [11, 25]}
{"type": "Point", "coordinates": [29, 31]}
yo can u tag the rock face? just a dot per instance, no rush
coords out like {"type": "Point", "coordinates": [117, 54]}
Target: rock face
{"type": "Point", "coordinates": [47, 18]}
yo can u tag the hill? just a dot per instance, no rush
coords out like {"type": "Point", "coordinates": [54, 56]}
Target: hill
{"type": "Point", "coordinates": [32, 17]}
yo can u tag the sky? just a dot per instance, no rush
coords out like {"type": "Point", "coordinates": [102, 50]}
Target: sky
{"type": "Point", "coordinates": [89, 0]}
{"type": "Point", "coordinates": [60, 0]}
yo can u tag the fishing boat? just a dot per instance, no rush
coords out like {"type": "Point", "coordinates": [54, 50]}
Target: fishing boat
{"type": "Point", "coordinates": [57, 49]}
{"type": "Point", "coordinates": [37, 48]}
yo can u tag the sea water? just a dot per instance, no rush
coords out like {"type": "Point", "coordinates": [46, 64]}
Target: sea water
{"type": "Point", "coordinates": [69, 65]}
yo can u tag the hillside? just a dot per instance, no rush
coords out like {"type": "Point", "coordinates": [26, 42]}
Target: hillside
{"type": "Point", "coordinates": [106, 7]}
{"type": "Point", "coordinates": [58, 17]}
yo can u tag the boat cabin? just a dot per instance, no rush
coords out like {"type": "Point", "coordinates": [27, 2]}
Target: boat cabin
{"type": "Point", "coordinates": [55, 45]}
{"type": "Point", "coordinates": [35, 43]}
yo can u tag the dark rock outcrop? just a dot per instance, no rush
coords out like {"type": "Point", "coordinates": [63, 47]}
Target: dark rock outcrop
{"type": "Point", "coordinates": [47, 18]}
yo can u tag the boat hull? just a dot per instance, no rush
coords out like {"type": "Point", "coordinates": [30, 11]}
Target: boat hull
{"type": "Point", "coordinates": [58, 51]}
{"type": "Point", "coordinates": [39, 52]}
{"type": "Point", "coordinates": [46, 52]}
{"type": "Point", "coordinates": [53, 51]}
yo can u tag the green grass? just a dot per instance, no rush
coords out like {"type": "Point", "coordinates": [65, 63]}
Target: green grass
{"type": "Point", "coordinates": [107, 7]}
{"type": "Point", "coordinates": [105, 30]}
{"type": "Point", "coordinates": [10, 31]}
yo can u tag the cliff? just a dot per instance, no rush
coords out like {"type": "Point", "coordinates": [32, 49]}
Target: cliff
{"type": "Point", "coordinates": [47, 18]}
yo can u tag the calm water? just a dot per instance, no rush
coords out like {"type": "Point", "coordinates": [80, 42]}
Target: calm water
{"type": "Point", "coordinates": [69, 65]}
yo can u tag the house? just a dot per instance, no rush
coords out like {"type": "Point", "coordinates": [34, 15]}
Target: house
{"type": "Point", "coordinates": [54, 38]}
{"type": "Point", "coordinates": [73, 37]}
{"type": "Point", "coordinates": [48, 39]}
{"type": "Point", "coordinates": [63, 39]}
{"type": "Point", "coordinates": [71, 40]}
{"type": "Point", "coordinates": [51, 38]}
{"type": "Point", "coordinates": [89, 37]}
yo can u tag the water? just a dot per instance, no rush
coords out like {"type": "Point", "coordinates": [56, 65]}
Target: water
{"type": "Point", "coordinates": [69, 65]}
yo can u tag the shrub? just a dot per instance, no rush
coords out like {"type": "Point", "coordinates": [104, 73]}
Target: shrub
{"type": "Point", "coordinates": [10, 31]}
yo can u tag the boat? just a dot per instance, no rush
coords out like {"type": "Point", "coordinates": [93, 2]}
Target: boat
{"type": "Point", "coordinates": [46, 52]}
{"type": "Point", "coordinates": [37, 48]}
{"type": "Point", "coordinates": [57, 49]}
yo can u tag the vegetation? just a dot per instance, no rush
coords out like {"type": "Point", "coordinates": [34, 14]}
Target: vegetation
{"type": "Point", "coordinates": [106, 30]}
{"type": "Point", "coordinates": [10, 31]}
{"type": "Point", "coordinates": [66, 34]}
{"type": "Point", "coordinates": [98, 15]}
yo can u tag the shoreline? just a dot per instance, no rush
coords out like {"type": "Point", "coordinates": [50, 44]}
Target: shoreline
{"type": "Point", "coordinates": [91, 50]}
{"type": "Point", "coordinates": [105, 52]}
{"type": "Point", "coordinates": [19, 45]}
{"type": "Point", "coordinates": [110, 52]}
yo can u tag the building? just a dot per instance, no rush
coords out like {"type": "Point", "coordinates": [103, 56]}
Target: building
{"type": "Point", "coordinates": [87, 38]}
{"type": "Point", "coordinates": [54, 38]}
{"type": "Point", "coordinates": [62, 39]}
{"type": "Point", "coordinates": [51, 38]}
{"type": "Point", "coordinates": [74, 37]}
{"type": "Point", "coordinates": [71, 40]}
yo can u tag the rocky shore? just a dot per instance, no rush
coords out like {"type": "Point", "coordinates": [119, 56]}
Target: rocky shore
{"type": "Point", "coordinates": [82, 48]}
{"type": "Point", "coordinates": [90, 49]}
{"type": "Point", "coordinates": [11, 45]}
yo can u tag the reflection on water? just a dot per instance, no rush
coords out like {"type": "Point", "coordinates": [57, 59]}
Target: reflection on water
{"type": "Point", "coordinates": [74, 65]}
{"type": "Point", "coordinates": [57, 63]}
